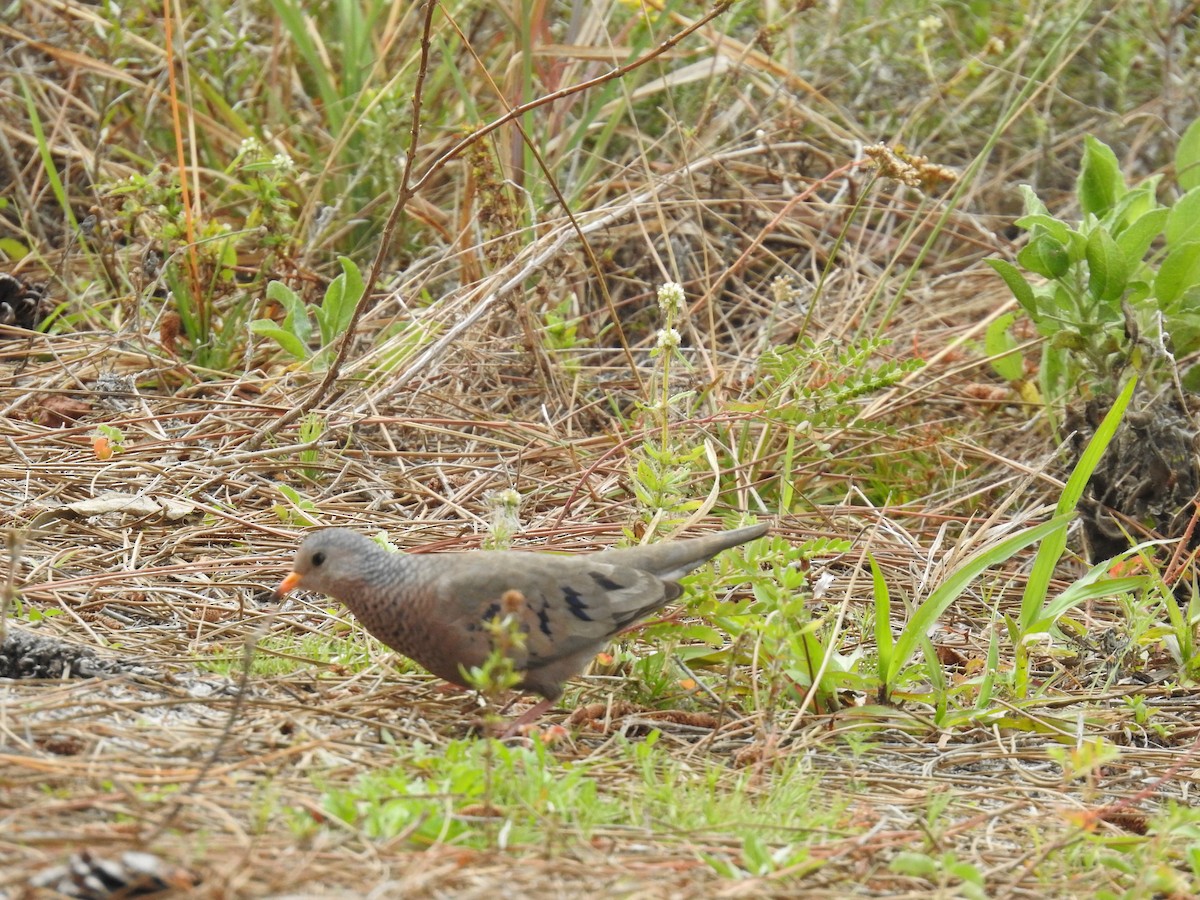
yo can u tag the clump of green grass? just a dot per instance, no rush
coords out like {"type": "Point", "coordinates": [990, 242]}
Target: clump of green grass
{"type": "Point", "coordinates": [488, 794]}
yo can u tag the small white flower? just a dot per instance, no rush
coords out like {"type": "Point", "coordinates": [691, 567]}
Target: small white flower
{"type": "Point", "coordinates": [250, 146]}
{"type": "Point", "coordinates": [782, 290]}
{"type": "Point", "coordinates": [668, 338]}
{"type": "Point", "coordinates": [823, 583]}
{"type": "Point", "coordinates": [670, 300]}
{"type": "Point", "coordinates": [508, 500]}
{"type": "Point", "coordinates": [506, 522]}
{"type": "Point", "coordinates": [930, 24]}
{"type": "Point", "coordinates": [283, 162]}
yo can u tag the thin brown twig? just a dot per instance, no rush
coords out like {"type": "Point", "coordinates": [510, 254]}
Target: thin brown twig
{"type": "Point", "coordinates": [14, 542]}
{"type": "Point", "coordinates": [189, 214]}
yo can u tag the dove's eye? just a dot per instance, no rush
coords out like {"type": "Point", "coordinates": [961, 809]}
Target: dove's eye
{"type": "Point", "coordinates": [318, 558]}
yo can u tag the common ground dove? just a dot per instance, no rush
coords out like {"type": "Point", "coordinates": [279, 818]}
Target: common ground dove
{"type": "Point", "coordinates": [434, 608]}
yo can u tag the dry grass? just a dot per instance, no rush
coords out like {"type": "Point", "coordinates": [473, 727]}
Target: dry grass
{"type": "Point", "coordinates": [102, 764]}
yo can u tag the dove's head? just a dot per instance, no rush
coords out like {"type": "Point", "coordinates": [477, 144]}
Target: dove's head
{"type": "Point", "coordinates": [335, 561]}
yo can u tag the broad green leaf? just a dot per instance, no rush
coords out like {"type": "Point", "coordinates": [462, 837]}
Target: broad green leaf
{"type": "Point", "coordinates": [341, 298]}
{"type": "Point", "coordinates": [1191, 379]}
{"type": "Point", "coordinates": [1135, 240]}
{"type": "Point", "coordinates": [1001, 349]}
{"type": "Point", "coordinates": [326, 313]}
{"type": "Point", "coordinates": [1137, 291]}
{"type": "Point", "coordinates": [288, 341]}
{"type": "Point", "coordinates": [13, 249]}
{"type": "Point", "coordinates": [1016, 283]}
{"type": "Point", "coordinates": [351, 297]}
{"type": "Point", "coordinates": [1187, 158]}
{"type": "Point", "coordinates": [1183, 324]}
{"type": "Point", "coordinates": [1136, 203]}
{"type": "Point", "coordinates": [278, 291]}
{"type": "Point", "coordinates": [1077, 245]}
{"type": "Point", "coordinates": [1056, 229]}
{"type": "Point", "coordinates": [1044, 256]}
{"type": "Point", "coordinates": [1184, 222]}
{"type": "Point", "coordinates": [1178, 272]}
{"type": "Point", "coordinates": [1107, 272]}
{"type": "Point", "coordinates": [296, 321]}
{"type": "Point", "coordinates": [1100, 184]}
{"type": "Point", "coordinates": [1033, 203]}
{"type": "Point", "coordinates": [917, 865]}
{"type": "Point", "coordinates": [1187, 311]}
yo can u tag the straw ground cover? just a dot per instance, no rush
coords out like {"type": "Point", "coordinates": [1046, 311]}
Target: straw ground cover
{"type": "Point", "coordinates": [398, 268]}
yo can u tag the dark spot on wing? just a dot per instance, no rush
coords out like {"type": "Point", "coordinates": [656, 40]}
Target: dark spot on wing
{"type": "Point", "coordinates": [544, 619]}
{"type": "Point", "coordinates": [576, 604]}
{"type": "Point", "coordinates": [491, 612]}
{"type": "Point", "coordinates": [604, 583]}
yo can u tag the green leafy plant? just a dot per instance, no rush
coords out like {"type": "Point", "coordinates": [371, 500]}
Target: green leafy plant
{"type": "Point", "coordinates": [264, 177]}
{"type": "Point", "coordinates": [1180, 627]}
{"type": "Point", "coordinates": [759, 858]}
{"type": "Point", "coordinates": [504, 507]}
{"type": "Point", "coordinates": [282, 654]}
{"type": "Point", "coordinates": [434, 794]}
{"type": "Point", "coordinates": [498, 674]}
{"type": "Point", "coordinates": [796, 652]}
{"type": "Point", "coordinates": [945, 870]}
{"type": "Point", "coordinates": [663, 469]}
{"type": "Point", "coordinates": [312, 426]}
{"type": "Point", "coordinates": [794, 649]}
{"type": "Point", "coordinates": [560, 334]}
{"type": "Point", "coordinates": [297, 510]}
{"type": "Point", "coordinates": [1121, 288]}
{"type": "Point", "coordinates": [200, 277]}
{"type": "Point", "coordinates": [807, 393]}
{"type": "Point", "coordinates": [332, 316]}
{"type": "Point", "coordinates": [1038, 614]}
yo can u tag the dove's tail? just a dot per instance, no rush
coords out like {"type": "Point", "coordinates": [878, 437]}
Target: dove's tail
{"type": "Point", "coordinates": [671, 560]}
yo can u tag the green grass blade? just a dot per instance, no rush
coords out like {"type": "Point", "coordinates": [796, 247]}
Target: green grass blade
{"type": "Point", "coordinates": [884, 643]}
{"type": "Point", "coordinates": [56, 185]}
{"type": "Point", "coordinates": [1051, 550]}
{"type": "Point", "coordinates": [947, 592]}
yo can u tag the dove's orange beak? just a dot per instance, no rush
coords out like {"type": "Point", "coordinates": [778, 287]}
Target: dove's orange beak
{"type": "Point", "coordinates": [288, 585]}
